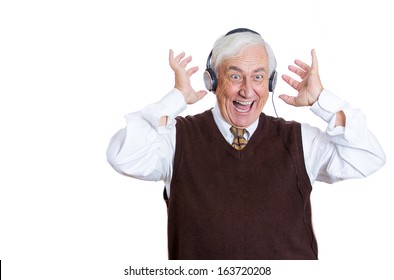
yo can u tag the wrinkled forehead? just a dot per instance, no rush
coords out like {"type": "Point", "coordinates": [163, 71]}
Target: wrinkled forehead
{"type": "Point", "coordinates": [248, 58]}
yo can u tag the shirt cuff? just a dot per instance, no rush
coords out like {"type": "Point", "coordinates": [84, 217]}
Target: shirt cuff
{"type": "Point", "coordinates": [171, 105]}
{"type": "Point", "coordinates": [327, 105]}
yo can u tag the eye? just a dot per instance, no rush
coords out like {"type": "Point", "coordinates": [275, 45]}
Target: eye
{"type": "Point", "coordinates": [258, 77]}
{"type": "Point", "coordinates": [236, 77]}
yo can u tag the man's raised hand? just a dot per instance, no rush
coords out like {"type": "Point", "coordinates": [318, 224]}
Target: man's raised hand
{"type": "Point", "coordinates": [182, 77]}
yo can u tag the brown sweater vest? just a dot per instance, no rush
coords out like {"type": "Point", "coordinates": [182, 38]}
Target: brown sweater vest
{"type": "Point", "coordinates": [248, 204]}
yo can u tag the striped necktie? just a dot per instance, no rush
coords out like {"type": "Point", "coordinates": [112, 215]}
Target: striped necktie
{"type": "Point", "coordinates": [239, 140]}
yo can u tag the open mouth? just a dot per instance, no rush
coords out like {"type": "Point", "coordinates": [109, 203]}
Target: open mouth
{"type": "Point", "coordinates": [243, 106]}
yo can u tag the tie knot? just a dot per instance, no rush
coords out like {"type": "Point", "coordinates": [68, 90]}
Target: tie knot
{"type": "Point", "coordinates": [237, 132]}
{"type": "Point", "coordinates": [239, 140]}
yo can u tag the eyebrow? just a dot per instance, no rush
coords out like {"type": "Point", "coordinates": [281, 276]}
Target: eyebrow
{"type": "Point", "coordinates": [260, 69]}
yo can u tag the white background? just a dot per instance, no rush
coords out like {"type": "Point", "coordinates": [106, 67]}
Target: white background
{"type": "Point", "coordinates": [70, 71]}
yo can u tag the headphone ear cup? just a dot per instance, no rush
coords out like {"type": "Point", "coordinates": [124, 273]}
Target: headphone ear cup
{"type": "Point", "coordinates": [210, 79]}
{"type": "Point", "coordinates": [272, 81]}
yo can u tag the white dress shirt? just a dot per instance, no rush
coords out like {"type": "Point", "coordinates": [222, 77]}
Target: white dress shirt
{"type": "Point", "coordinates": [338, 153]}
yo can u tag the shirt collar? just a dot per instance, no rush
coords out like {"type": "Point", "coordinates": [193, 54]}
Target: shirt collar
{"type": "Point", "coordinates": [224, 127]}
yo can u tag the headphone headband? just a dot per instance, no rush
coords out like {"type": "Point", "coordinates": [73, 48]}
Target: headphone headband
{"type": "Point", "coordinates": [241, 30]}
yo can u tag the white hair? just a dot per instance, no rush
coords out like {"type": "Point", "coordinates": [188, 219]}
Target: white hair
{"type": "Point", "coordinates": [230, 45]}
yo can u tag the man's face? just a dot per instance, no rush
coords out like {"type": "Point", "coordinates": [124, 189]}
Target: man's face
{"type": "Point", "coordinates": [243, 86]}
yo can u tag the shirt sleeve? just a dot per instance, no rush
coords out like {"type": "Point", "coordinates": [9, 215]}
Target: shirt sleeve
{"type": "Point", "coordinates": [340, 152]}
{"type": "Point", "coordinates": [143, 149]}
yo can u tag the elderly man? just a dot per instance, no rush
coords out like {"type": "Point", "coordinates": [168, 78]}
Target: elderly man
{"type": "Point", "coordinates": [238, 182]}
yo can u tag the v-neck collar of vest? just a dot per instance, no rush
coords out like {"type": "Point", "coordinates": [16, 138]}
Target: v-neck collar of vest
{"type": "Point", "coordinates": [254, 140]}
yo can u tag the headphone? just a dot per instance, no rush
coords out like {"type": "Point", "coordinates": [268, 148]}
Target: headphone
{"type": "Point", "coordinates": [210, 79]}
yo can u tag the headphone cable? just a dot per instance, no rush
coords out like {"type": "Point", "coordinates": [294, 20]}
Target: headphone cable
{"type": "Point", "coordinates": [273, 104]}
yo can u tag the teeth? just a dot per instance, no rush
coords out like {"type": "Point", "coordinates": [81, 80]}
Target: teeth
{"type": "Point", "coordinates": [245, 103]}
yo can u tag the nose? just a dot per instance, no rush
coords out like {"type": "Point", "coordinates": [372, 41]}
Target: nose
{"type": "Point", "coordinates": [246, 90]}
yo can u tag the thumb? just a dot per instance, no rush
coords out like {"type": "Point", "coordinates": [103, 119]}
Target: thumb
{"type": "Point", "coordinates": [314, 64]}
{"type": "Point", "coordinates": [201, 94]}
{"type": "Point", "coordinates": [290, 100]}
{"type": "Point", "coordinates": [195, 97]}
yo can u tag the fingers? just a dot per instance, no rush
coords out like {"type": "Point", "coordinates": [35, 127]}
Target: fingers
{"type": "Point", "coordinates": [305, 66]}
{"type": "Point", "coordinates": [192, 70]}
{"type": "Point", "coordinates": [302, 65]}
{"type": "Point", "coordinates": [303, 69]}
{"type": "Point", "coordinates": [301, 73]}
{"type": "Point", "coordinates": [179, 60]}
{"type": "Point", "coordinates": [179, 57]}
{"type": "Point", "coordinates": [184, 62]}
{"type": "Point", "coordinates": [293, 83]}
